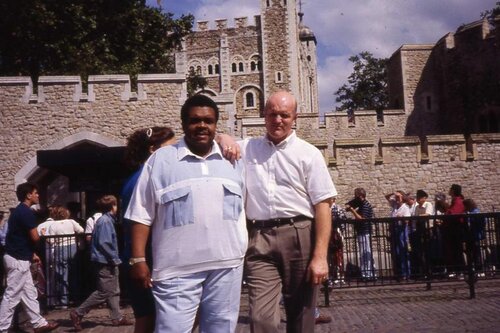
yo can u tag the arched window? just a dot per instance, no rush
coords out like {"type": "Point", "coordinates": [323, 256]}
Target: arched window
{"type": "Point", "coordinates": [210, 70]}
{"type": "Point", "coordinates": [233, 67]}
{"type": "Point", "coordinates": [249, 100]}
{"type": "Point", "coordinates": [217, 71]}
{"type": "Point", "coordinates": [191, 68]}
{"type": "Point", "coordinates": [198, 70]}
{"type": "Point", "coordinates": [279, 77]}
{"type": "Point", "coordinates": [240, 67]}
{"type": "Point", "coordinates": [253, 66]}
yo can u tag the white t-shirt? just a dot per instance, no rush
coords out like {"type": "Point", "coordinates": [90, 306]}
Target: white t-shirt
{"type": "Point", "coordinates": [194, 206]}
{"type": "Point", "coordinates": [89, 226]}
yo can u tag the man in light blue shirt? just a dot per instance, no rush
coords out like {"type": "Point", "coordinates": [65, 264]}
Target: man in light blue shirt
{"type": "Point", "coordinates": [191, 199]}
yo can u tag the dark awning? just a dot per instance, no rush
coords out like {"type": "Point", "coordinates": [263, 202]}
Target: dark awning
{"type": "Point", "coordinates": [87, 166]}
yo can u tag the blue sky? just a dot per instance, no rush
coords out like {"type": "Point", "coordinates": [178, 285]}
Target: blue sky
{"type": "Point", "coordinates": [347, 27]}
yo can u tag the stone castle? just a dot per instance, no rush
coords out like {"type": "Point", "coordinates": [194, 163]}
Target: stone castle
{"type": "Point", "coordinates": [69, 141]}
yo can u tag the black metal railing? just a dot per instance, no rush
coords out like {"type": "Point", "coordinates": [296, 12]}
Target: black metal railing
{"type": "Point", "coordinates": [67, 268]}
{"type": "Point", "coordinates": [427, 249]}
{"type": "Point", "coordinates": [424, 249]}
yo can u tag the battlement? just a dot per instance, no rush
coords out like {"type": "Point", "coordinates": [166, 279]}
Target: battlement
{"type": "Point", "coordinates": [222, 24]}
{"type": "Point", "coordinates": [69, 88]}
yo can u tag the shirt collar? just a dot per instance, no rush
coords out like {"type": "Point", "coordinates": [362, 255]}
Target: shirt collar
{"type": "Point", "coordinates": [183, 150]}
{"type": "Point", "coordinates": [283, 144]}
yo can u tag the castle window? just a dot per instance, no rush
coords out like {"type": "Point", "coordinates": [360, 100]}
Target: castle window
{"type": "Point", "coordinates": [249, 100]}
{"type": "Point", "coordinates": [191, 68]}
{"type": "Point", "coordinates": [217, 70]}
{"type": "Point", "coordinates": [267, 3]}
{"type": "Point", "coordinates": [233, 67]}
{"type": "Point", "coordinates": [240, 67]}
{"type": "Point", "coordinates": [253, 66]}
{"type": "Point", "coordinates": [278, 78]}
{"type": "Point", "coordinates": [198, 70]}
{"type": "Point", "coordinates": [284, 2]}
{"type": "Point", "coordinates": [210, 70]}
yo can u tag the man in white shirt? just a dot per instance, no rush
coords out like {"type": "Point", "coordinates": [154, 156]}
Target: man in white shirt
{"type": "Point", "coordinates": [400, 234]}
{"type": "Point", "coordinates": [289, 190]}
{"type": "Point", "coordinates": [191, 199]}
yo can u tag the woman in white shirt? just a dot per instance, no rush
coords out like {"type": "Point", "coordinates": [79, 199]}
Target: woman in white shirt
{"type": "Point", "coordinates": [65, 250]}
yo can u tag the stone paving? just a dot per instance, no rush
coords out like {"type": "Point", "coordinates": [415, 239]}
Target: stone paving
{"type": "Point", "coordinates": [409, 308]}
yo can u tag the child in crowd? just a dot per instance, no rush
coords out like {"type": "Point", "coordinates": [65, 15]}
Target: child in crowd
{"type": "Point", "coordinates": [104, 254]}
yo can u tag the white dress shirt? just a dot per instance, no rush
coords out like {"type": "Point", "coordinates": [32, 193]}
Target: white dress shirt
{"type": "Point", "coordinates": [284, 180]}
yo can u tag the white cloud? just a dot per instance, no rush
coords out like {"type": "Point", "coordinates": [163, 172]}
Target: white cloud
{"type": "Point", "coordinates": [346, 27]}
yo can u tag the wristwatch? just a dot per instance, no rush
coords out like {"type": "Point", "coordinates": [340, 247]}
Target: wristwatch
{"type": "Point", "coordinates": [134, 261]}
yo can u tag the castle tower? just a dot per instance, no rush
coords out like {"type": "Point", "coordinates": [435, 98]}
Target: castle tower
{"type": "Point", "coordinates": [308, 68]}
{"type": "Point", "coordinates": [280, 46]}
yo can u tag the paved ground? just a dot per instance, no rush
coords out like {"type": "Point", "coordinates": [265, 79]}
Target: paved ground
{"type": "Point", "coordinates": [409, 308]}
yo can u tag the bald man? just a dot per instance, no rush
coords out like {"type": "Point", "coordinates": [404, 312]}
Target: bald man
{"type": "Point", "coordinates": [288, 198]}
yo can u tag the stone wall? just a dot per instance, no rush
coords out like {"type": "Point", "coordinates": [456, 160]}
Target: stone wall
{"type": "Point", "coordinates": [379, 158]}
{"type": "Point", "coordinates": [60, 110]}
{"type": "Point", "coordinates": [452, 86]}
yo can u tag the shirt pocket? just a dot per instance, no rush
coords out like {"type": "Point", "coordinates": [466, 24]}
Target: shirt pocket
{"type": "Point", "coordinates": [178, 207]}
{"type": "Point", "coordinates": [232, 203]}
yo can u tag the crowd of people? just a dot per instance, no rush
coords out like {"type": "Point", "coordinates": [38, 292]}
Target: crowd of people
{"type": "Point", "coordinates": [205, 212]}
{"type": "Point", "coordinates": [441, 244]}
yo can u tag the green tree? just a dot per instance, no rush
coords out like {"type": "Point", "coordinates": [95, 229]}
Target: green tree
{"type": "Point", "coordinates": [491, 13]}
{"type": "Point", "coordinates": [366, 87]}
{"type": "Point", "coordinates": [86, 37]}
{"type": "Point", "coordinates": [195, 81]}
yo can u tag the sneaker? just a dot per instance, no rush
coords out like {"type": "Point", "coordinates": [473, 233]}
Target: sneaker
{"type": "Point", "coordinates": [76, 319]}
{"type": "Point", "coordinates": [47, 328]}
{"type": "Point", "coordinates": [322, 319]}
{"type": "Point", "coordinates": [122, 322]}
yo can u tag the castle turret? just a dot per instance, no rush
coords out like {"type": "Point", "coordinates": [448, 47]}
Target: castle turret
{"type": "Point", "coordinates": [280, 46]}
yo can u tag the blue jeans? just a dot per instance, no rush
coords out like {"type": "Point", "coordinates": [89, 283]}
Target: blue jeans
{"type": "Point", "coordinates": [401, 253]}
{"type": "Point", "coordinates": [365, 255]}
{"type": "Point", "coordinates": [64, 257]}
{"type": "Point", "coordinates": [215, 292]}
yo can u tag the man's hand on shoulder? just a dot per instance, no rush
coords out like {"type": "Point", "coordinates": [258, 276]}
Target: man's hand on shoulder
{"type": "Point", "coordinates": [229, 147]}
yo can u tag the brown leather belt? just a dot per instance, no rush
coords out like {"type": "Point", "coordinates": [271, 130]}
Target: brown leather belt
{"type": "Point", "coordinates": [277, 222]}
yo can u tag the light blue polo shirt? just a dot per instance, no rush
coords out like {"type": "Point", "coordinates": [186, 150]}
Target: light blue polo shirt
{"type": "Point", "coordinates": [195, 207]}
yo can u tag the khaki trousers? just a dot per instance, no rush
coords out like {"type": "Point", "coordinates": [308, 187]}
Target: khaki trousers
{"type": "Point", "coordinates": [276, 264]}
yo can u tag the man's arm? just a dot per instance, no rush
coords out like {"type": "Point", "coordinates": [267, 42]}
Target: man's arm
{"type": "Point", "coordinates": [140, 271]}
{"type": "Point", "coordinates": [354, 212]}
{"type": "Point", "coordinates": [34, 235]}
{"type": "Point", "coordinates": [34, 238]}
{"type": "Point", "coordinates": [318, 268]}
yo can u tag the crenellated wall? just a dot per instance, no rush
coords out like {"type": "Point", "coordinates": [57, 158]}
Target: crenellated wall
{"type": "Point", "coordinates": [368, 153]}
{"type": "Point", "coordinates": [109, 110]}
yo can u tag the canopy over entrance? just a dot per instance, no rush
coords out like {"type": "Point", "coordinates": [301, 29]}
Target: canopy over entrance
{"type": "Point", "coordinates": [87, 166]}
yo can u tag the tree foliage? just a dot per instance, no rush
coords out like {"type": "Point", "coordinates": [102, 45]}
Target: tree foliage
{"type": "Point", "coordinates": [195, 81]}
{"type": "Point", "coordinates": [491, 13]}
{"type": "Point", "coordinates": [366, 87]}
{"type": "Point", "coordinates": [86, 37]}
